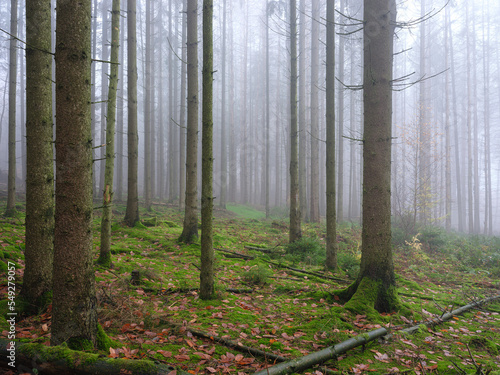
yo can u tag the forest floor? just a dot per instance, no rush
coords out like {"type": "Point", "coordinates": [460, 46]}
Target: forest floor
{"type": "Point", "coordinates": [263, 305]}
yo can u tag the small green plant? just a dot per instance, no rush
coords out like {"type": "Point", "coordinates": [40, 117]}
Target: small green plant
{"type": "Point", "coordinates": [307, 250]}
{"type": "Point", "coordinates": [257, 275]}
{"type": "Point", "coordinates": [349, 263]}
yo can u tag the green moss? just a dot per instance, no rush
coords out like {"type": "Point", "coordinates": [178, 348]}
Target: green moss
{"type": "Point", "coordinates": [80, 343]}
{"type": "Point", "coordinates": [103, 342]}
{"type": "Point", "coordinates": [370, 297]}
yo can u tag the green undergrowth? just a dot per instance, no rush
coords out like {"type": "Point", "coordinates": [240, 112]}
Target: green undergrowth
{"type": "Point", "coordinates": [262, 304]}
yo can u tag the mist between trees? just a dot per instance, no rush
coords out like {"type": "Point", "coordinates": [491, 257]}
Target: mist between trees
{"type": "Point", "coordinates": [446, 92]}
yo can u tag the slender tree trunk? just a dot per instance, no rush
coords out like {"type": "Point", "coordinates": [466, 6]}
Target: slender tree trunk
{"type": "Point", "coordinates": [22, 89]}
{"type": "Point", "coordinates": [458, 172]}
{"type": "Point", "coordinates": [182, 156]}
{"type": "Point", "coordinates": [295, 230]}
{"type": "Point", "coordinates": [120, 128]}
{"type": "Point", "coordinates": [488, 216]}
{"type": "Point", "coordinates": [314, 187]}
{"type": "Point", "coordinates": [302, 113]}
{"type": "Point", "coordinates": [39, 250]}
{"type": "Point", "coordinates": [475, 152]}
{"type": "Point", "coordinates": [470, 166]}
{"type": "Point", "coordinates": [104, 94]}
{"type": "Point", "coordinates": [11, 178]}
{"type": "Point", "coordinates": [223, 174]}
{"type": "Point", "coordinates": [94, 97]}
{"type": "Point", "coordinates": [244, 181]}
{"type": "Point", "coordinates": [207, 200]}
{"type": "Point", "coordinates": [161, 123]}
{"type": "Point", "coordinates": [447, 131]}
{"type": "Point", "coordinates": [190, 230]}
{"type": "Point", "coordinates": [331, 219]}
{"type": "Point", "coordinates": [147, 111]}
{"type": "Point", "coordinates": [268, 125]}
{"type": "Point", "coordinates": [171, 126]}
{"type": "Point", "coordinates": [107, 213]}
{"type": "Point", "coordinates": [340, 93]}
{"type": "Point", "coordinates": [74, 313]}
{"type": "Point", "coordinates": [132, 213]}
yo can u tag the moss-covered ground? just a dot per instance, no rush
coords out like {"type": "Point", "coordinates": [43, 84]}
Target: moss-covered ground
{"type": "Point", "coordinates": [263, 305]}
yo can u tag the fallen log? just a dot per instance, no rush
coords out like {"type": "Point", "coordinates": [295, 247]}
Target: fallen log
{"type": "Point", "coordinates": [306, 272]}
{"type": "Point", "coordinates": [229, 343]}
{"type": "Point", "coordinates": [445, 317]}
{"type": "Point", "coordinates": [232, 254]}
{"type": "Point", "coordinates": [261, 249]}
{"type": "Point", "coordinates": [55, 360]}
{"type": "Point", "coordinates": [303, 363]}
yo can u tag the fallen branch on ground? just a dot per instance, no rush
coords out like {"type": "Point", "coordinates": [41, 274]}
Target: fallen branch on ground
{"type": "Point", "coordinates": [232, 254]}
{"type": "Point", "coordinates": [229, 343]}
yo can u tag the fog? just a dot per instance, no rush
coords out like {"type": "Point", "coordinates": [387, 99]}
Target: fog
{"type": "Point", "coordinates": [446, 107]}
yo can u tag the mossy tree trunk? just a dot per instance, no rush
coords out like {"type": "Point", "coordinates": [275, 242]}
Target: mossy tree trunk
{"type": "Point", "coordinates": [107, 214]}
{"type": "Point", "coordinates": [190, 229]}
{"type": "Point", "coordinates": [295, 230]}
{"type": "Point", "coordinates": [132, 213]}
{"type": "Point", "coordinates": [11, 178]}
{"type": "Point", "coordinates": [375, 286]}
{"type": "Point", "coordinates": [39, 251]}
{"type": "Point", "coordinates": [331, 219]}
{"type": "Point", "coordinates": [74, 314]}
{"type": "Point", "coordinates": [207, 200]}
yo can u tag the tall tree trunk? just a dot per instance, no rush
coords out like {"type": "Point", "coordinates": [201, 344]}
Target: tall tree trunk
{"type": "Point", "coordinates": [120, 133]}
{"type": "Point", "coordinates": [470, 165]}
{"type": "Point", "coordinates": [458, 172]}
{"type": "Point", "coordinates": [223, 167]}
{"type": "Point", "coordinates": [340, 93]}
{"type": "Point", "coordinates": [132, 213]}
{"type": "Point", "coordinates": [475, 152]}
{"type": "Point", "coordinates": [295, 232]}
{"type": "Point", "coordinates": [38, 253]}
{"type": "Point", "coordinates": [190, 230]}
{"type": "Point", "coordinates": [207, 200]}
{"type": "Point", "coordinates": [488, 215]}
{"type": "Point", "coordinates": [376, 278]}
{"type": "Point", "coordinates": [447, 130]}
{"type": "Point", "coordinates": [74, 313]}
{"type": "Point", "coordinates": [22, 89]}
{"type": "Point", "coordinates": [104, 93]}
{"type": "Point", "coordinates": [331, 225]}
{"type": "Point", "coordinates": [11, 179]}
{"type": "Point", "coordinates": [182, 156]}
{"type": "Point", "coordinates": [302, 114]}
{"type": "Point", "coordinates": [171, 125]}
{"type": "Point", "coordinates": [268, 124]}
{"type": "Point", "coordinates": [107, 213]}
{"type": "Point", "coordinates": [161, 123]}
{"type": "Point", "coordinates": [314, 187]}
{"type": "Point", "coordinates": [244, 180]}
{"type": "Point", "coordinates": [94, 97]}
{"type": "Point", "coordinates": [147, 111]}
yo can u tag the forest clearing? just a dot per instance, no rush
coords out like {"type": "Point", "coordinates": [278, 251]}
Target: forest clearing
{"type": "Point", "coordinates": [263, 305]}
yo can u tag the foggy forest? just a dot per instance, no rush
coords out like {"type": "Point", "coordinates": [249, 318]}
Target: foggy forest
{"type": "Point", "coordinates": [284, 179]}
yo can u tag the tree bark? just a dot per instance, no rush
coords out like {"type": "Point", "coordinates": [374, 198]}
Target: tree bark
{"type": "Point", "coordinates": [375, 286]}
{"type": "Point", "coordinates": [11, 178]}
{"type": "Point", "coordinates": [190, 229]}
{"type": "Point", "coordinates": [302, 114]}
{"type": "Point", "coordinates": [182, 156]}
{"type": "Point", "coordinates": [207, 200]}
{"type": "Point", "coordinates": [120, 135]}
{"type": "Point", "coordinates": [331, 219]}
{"type": "Point", "coordinates": [39, 249]}
{"type": "Point", "coordinates": [104, 95]}
{"type": "Point", "coordinates": [74, 314]}
{"type": "Point", "coordinates": [107, 213]}
{"type": "Point", "coordinates": [148, 106]}
{"type": "Point", "coordinates": [295, 230]}
{"type": "Point", "coordinates": [314, 187]}
{"type": "Point", "coordinates": [132, 213]}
